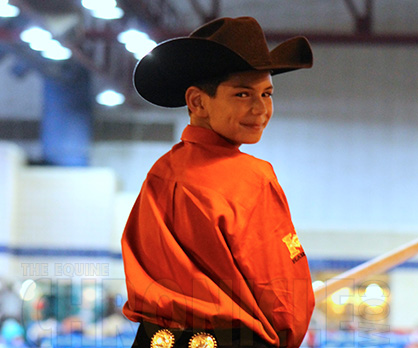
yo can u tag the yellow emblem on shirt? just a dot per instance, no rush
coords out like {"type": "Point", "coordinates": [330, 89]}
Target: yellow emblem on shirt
{"type": "Point", "coordinates": [293, 244]}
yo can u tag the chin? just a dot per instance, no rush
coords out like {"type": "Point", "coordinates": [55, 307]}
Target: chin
{"type": "Point", "coordinates": [252, 141]}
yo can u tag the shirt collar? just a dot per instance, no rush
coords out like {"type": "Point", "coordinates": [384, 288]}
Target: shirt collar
{"type": "Point", "coordinates": [195, 134]}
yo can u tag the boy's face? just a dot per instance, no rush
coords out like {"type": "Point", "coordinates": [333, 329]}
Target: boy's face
{"type": "Point", "coordinates": [241, 108]}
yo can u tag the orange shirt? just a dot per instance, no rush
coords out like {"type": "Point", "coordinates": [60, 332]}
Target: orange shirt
{"type": "Point", "coordinates": [210, 244]}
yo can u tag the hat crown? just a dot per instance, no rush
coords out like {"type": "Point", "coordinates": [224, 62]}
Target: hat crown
{"type": "Point", "coordinates": [242, 35]}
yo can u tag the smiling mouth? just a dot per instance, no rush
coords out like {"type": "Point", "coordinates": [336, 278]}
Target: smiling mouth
{"type": "Point", "coordinates": [254, 126]}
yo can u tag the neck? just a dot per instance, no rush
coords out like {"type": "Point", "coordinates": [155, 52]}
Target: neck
{"type": "Point", "coordinates": [199, 122]}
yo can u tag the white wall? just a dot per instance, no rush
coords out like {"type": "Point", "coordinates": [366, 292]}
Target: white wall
{"type": "Point", "coordinates": [59, 210]}
{"type": "Point", "coordinates": [79, 202]}
{"type": "Point", "coordinates": [130, 161]}
{"type": "Point", "coordinates": [404, 304]}
{"type": "Point", "coordinates": [11, 161]}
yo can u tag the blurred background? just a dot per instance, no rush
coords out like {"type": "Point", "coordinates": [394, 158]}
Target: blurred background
{"type": "Point", "coordinates": [76, 144]}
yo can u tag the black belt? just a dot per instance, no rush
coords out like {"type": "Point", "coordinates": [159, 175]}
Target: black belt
{"type": "Point", "coordinates": [154, 336]}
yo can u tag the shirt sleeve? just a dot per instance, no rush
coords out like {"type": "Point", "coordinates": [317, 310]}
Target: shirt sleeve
{"type": "Point", "coordinates": [271, 258]}
{"type": "Point", "coordinates": [251, 241]}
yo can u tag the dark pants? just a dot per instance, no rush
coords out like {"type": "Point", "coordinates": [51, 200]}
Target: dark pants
{"type": "Point", "coordinates": [226, 338]}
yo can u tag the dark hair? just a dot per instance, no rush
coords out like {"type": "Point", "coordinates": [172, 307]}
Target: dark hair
{"type": "Point", "coordinates": [210, 86]}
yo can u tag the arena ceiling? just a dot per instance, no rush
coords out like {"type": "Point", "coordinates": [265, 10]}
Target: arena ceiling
{"type": "Point", "coordinates": [94, 45]}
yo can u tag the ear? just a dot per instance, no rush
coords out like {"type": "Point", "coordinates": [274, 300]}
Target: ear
{"type": "Point", "coordinates": [194, 98]}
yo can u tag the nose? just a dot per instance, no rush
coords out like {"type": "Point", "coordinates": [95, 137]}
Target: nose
{"type": "Point", "coordinates": [260, 105]}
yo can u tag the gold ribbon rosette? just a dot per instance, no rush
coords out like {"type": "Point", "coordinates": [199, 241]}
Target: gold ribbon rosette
{"type": "Point", "coordinates": [162, 339]}
{"type": "Point", "coordinates": [202, 340]}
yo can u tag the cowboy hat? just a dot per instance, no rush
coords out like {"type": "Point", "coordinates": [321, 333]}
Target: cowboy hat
{"type": "Point", "coordinates": [220, 47]}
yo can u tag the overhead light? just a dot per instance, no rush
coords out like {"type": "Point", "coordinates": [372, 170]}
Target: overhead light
{"type": "Point", "coordinates": [56, 51]}
{"type": "Point", "coordinates": [42, 45]}
{"type": "Point", "coordinates": [140, 48]}
{"type": "Point", "coordinates": [131, 35]}
{"type": "Point", "coordinates": [136, 42]}
{"type": "Point", "coordinates": [108, 13]}
{"type": "Point", "coordinates": [143, 51]}
{"type": "Point", "coordinates": [110, 98]}
{"type": "Point", "coordinates": [41, 40]}
{"type": "Point", "coordinates": [35, 34]}
{"type": "Point", "coordinates": [97, 4]}
{"type": "Point", "coordinates": [103, 9]}
{"type": "Point", "coordinates": [7, 10]}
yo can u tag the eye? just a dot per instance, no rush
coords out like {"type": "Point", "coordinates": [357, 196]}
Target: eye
{"type": "Point", "coordinates": [268, 94]}
{"type": "Point", "coordinates": [242, 94]}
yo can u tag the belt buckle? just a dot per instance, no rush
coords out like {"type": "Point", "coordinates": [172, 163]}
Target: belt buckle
{"type": "Point", "coordinates": [162, 339]}
{"type": "Point", "coordinates": [202, 340]}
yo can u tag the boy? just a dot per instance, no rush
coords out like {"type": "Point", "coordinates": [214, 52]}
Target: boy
{"type": "Point", "coordinates": [210, 252]}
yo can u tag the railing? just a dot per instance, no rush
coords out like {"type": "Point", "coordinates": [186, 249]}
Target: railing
{"type": "Point", "coordinates": [374, 266]}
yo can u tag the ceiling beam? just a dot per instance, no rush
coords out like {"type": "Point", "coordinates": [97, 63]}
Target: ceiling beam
{"type": "Point", "coordinates": [11, 36]}
{"type": "Point", "coordinates": [363, 20]}
{"type": "Point", "coordinates": [204, 14]}
{"type": "Point", "coordinates": [332, 38]}
{"type": "Point", "coordinates": [389, 39]}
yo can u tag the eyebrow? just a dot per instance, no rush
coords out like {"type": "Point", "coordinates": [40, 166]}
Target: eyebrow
{"type": "Point", "coordinates": [249, 87]}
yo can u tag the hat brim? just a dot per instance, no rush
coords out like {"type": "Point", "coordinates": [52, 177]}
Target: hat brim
{"type": "Point", "coordinates": [163, 76]}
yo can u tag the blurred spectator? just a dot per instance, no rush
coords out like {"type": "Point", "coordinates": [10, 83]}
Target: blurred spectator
{"type": "Point", "coordinates": [113, 322]}
{"type": "Point", "coordinates": [413, 340]}
{"type": "Point", "coordinates": [10, 302]}
{"type": "Point", "coordinates": [12, 334]}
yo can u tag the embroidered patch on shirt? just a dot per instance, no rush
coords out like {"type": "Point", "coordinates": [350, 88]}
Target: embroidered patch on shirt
{"type": "Point", "coordinates": [293, 245]}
